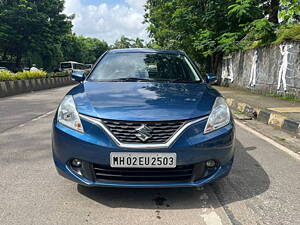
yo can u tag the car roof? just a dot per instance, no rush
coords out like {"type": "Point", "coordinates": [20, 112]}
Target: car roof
{"type": "Point", "coordinates": [70, 62]}
{"type": "Point", "coordinates": [146, 50]}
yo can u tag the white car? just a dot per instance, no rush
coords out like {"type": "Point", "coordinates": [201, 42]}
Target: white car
{"type": "Point", "coordinates": [4, 69]}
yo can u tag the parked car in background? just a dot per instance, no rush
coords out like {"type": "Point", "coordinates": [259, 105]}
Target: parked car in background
{"type": "Point", "coordinates": [143, 118]}
{"type": "Point", "coordinates": [71, 67]}
{"type": "Point", "coordinates": [88, 67]}
{"type": "Point", "coordinates": [34, 68]}
{"type": "Point", "coordinates": [4, 69]}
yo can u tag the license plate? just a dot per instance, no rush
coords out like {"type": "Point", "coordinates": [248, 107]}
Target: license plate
{"type": "Point", "coordinates": [142, 160]}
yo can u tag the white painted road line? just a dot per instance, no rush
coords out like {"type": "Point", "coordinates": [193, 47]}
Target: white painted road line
{"type": "Point", "coordinates": [269, 140]}
{"type": "Point", "coordinates": [212, 218]}
{"type": "Point", "coordinates": [36, 118]}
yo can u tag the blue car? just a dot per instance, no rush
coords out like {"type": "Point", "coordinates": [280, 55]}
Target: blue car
{"type": "Point", "coordinates": [143, 118]}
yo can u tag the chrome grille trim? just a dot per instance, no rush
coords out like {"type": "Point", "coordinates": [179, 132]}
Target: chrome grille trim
{"type": "Point", "coordinates": [160, 131]}
{"type": "Point", "coordinates": [171, 140]}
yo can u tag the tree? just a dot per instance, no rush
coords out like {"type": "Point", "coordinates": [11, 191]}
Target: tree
{"type": "Point", "coordinates": [123, 42]}
{"type": "Point", "coordinates": [126, 42]}
{"type": "Point", "coordinates": [290, 12]}
{"type": "Point", "coordinates": [81, 49]}
{"type": "Point", "coordinates": [138, 43]}
{"type": "Point", "coordinates": [208, 29]}
{"type": "Point", "coordinates": [192, 25]}
{"type": "Point", "coordinates": [94, 48]}
{"type": "Point", "coordinates": [33, 27]}
{"type": "Point", "coordinates": [273, 11]}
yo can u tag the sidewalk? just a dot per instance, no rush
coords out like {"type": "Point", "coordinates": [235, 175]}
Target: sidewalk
{"type": "Point", "coordinates": [280, 113]}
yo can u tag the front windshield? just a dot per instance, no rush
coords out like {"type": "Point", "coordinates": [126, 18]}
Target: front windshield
{"type": "Point", "coordinates": [144, 66]}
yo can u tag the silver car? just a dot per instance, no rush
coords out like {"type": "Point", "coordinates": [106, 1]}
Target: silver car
{"type": "Point", "coordinates": [4, 69]}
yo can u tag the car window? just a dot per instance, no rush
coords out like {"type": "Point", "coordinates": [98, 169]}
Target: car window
{"type": "Point", "coordinates": [66, 65]}
{"type": "Point", "coordinates": [151, 66]}
{"type": "Point", "coordinates": [78, 66]}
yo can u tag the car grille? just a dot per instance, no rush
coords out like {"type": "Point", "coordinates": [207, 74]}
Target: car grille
{"type": "Point", "coordinates": [108, 174]}
{"type": "Point", "coordinates": [125, 131]}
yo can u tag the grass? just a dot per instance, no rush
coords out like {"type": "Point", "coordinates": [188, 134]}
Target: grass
{"type": "Point", "coordinates": [288, 97]}
{"type": "Point", "coordinates": [280, 138]}
{"type": "Point", "coordinates": [238, 112]}
{"type": "Point", "coordinates": [8, 76]}
{"type": "Point", "coordinates": [288, 32]}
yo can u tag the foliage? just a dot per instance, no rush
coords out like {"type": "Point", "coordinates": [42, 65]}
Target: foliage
{"type": "Point", "coordinates": [258, 33]}
{"type": "Point", "coordinates": [152, 44]}
{"type": "Point", "coordinates": [291, 11]}
{"type": "Point", "coordinates": [7, 76]}
{"type": "Point", "coordinates": [204, 29]}
{"type": "Point", "coordinates": [30, 75]}
{"type": "Point", "coordinates": [126, 42]}
{"type": "Point", "coordinates": [30, 27]}
{"type": "Point", "coordinates": [229, 42]}
{"type": "Point", "coordinates": [208, 29]}
{"type": "Point", "coordinates": [288, 32]}
{"type": "Point", "coordinates": [38, 32]}
{"type": "Point", "coordinates": [58, 74]}
{"type": "Point", "coordinates": [287, 97]}
{"type": "Point", "coordinates": [81, 49]}
{"type": "Point", "coordinates": [4, 76]}
{"type": "Point", "coordinates": [245, 11]}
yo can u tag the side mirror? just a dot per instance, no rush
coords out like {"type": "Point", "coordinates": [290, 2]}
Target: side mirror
{"type": "Point", "coordinates": [78, 76]}
{"type": "Point", "coordinates": [211, 78]}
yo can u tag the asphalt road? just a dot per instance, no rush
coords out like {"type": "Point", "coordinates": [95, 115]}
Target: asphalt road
{"type": "Point", "coordinates": [263, 187]}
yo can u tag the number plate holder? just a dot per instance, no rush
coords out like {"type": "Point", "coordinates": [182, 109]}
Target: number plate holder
{"type": "Point", "coordinates": [142, 160]}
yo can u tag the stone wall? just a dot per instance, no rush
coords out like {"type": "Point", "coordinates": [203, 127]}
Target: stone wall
{"type": "Point", "coordinates": [8, 88]}
{"type": "Point", "coordinates": [271, 69]}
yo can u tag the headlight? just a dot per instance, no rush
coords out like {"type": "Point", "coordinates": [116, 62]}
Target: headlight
{"type": "Point", "coordinates": [219, 116]}
{"type": "Point", "coordinates": [68, 115]}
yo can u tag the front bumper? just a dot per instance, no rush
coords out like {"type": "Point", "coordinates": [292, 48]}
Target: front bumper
{"type": "Point", "coordinates": [193, 149]}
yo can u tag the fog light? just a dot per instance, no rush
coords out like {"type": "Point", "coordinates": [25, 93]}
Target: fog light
{"type": "Point", "coordinates": [76, 163]}
{"type": "Point", "coordinates": [211, 163]}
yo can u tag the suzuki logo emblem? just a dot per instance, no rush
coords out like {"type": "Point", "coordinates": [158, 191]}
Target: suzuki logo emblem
{"type": "Point", "coordinates": [144, 133]}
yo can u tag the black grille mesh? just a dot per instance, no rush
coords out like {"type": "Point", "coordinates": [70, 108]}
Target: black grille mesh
{"type": "Point", "coordinates": [180, 173]}
{"type": "Point", "coordinates": [125, 131]}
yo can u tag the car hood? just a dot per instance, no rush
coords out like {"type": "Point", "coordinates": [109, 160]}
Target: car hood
{"type": "Point", "coordinates": [144, 101]}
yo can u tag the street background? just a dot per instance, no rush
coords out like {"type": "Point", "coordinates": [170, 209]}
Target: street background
{"type": "Point", "coordinates": [252, 46]}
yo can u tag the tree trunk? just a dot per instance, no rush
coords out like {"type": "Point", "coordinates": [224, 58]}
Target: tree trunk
{"type": "Point", "coordinates": [18, 60]}
{"type": "Point", "coordinates": [4, 55]}
{"type": "Point", "coordinates": [217, 58]}
{"type": "Point", "coordinates": [273, 11]}
{"type": "Point", "coordinates": [217, 62]}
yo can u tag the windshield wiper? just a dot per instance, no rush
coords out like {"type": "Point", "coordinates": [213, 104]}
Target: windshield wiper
{"type": "Point", "coordinates": [131, 79]}
{"type": "Point", "coordinates": [184, 81]}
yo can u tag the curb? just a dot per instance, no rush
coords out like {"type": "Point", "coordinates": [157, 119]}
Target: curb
{"type": "Point", "coordinates": [266, 116]}
{"type": "Point", "coordinates": [9, 88]}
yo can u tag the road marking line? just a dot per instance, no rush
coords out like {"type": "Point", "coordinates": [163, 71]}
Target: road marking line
{"type": "Point", "coordinates": [32, 120]}
{"type": "Point", "coordinates": [212, 218]}
{"type": "Point", "coordinates": [286, 109]}
{"type": "Point", "coordinates": [269, 140]}
{"type": "Point", "coordinates": [43, 116]}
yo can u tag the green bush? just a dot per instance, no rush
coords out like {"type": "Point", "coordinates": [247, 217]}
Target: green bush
{"type": "Point", "coordinates": [26, 75]}
{"type": "Point", "coordinates": [288, 32]}
{"type": "Point", "coordinates": [6, 76]}
{"type": "Point", "coordinates": [59, 74]}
